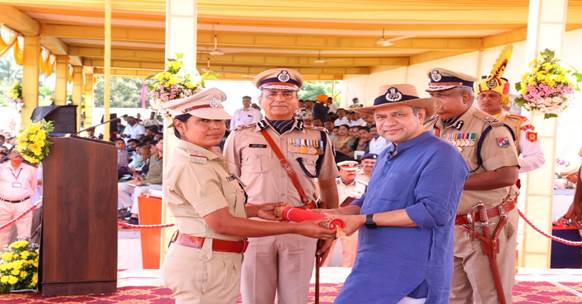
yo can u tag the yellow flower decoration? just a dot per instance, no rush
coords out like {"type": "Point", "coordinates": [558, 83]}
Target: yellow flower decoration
{"type": "Point", "coordinates": [12, 280]}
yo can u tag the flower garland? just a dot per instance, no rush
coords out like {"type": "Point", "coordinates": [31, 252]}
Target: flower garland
{"type": "Point", "coordinates": [175, 82]}
{"type": "Point", "coordinates": [547, 86]}
{"type": "Point", "coordinates": [32, 143]}
{"type": "Point", "coordinates": [19, 266]}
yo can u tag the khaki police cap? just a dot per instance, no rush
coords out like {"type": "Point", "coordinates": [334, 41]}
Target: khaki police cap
{"type": "Point", "coordinates": [442, 79]}
{"type": "Point", "coordinates": [401, 94]}
{"type": "Point", "coordinates": [279, 79]}
{"type": "Point", "coordinates": [206, 104]}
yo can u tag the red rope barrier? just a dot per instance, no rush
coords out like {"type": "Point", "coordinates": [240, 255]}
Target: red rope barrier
{"type": "Point", "coordinates": [131, 226]}
{"type": "Point", "coordinates": [27, 211]}
{"type": "Point", "coordinates": [552, 237]}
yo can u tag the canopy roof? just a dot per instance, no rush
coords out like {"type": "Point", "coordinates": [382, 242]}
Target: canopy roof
{"type": "Point", "coordinates": [322, 39]}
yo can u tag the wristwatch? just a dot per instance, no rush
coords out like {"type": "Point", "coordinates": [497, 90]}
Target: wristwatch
{"type": "Point", "coordinates": [370, 221]}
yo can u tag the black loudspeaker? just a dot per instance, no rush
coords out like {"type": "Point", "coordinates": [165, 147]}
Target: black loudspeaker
{"type": "Point", "coordinates": [64, 118]}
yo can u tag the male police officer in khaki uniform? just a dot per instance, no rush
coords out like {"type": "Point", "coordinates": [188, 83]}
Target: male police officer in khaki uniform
{"type": "Point", "coordinates": [283, 264]}
{"type": "Point", "coordinates": [486, 217]}
{"type": "Point", "coordinates": [492, 96]}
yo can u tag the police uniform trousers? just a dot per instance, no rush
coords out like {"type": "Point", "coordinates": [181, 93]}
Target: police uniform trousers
{"type": "Point", "coordinates": [201, 275]}
{"type": "Point", "coordinates": [9, 211]}
{"type": "Point", "coordinates": [472, 277]}
{"type": "Point", "coordinates": [280, 265]}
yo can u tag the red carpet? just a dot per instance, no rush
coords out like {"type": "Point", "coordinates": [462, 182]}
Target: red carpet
{"type": "Point", "coordinates": [524, 292]}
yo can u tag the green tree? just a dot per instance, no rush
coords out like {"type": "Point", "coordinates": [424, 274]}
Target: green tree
{"type": "Point", "coordinates": [312, 89]}
{"type": "Point", "coordinates": [9, 73]}
{"type": "Point", "coordinates": [125, 92]}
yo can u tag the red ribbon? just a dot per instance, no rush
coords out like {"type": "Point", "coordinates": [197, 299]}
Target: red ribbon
{"type": "Point", "coordinates": [299, 215]}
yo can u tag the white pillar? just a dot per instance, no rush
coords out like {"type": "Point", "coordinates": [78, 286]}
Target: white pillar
{"type": "Point", "coordinates": [546, 27]}
{"type": "Point", "coordinates": [181, 27]}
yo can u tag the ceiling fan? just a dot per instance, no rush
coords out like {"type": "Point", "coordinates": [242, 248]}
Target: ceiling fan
{"type": "Point", "coordinates": [215, 50]}
{"type": "Point", "coordinates": [320, 60]}
{"type": "Point", "coordinates": [389, 42]}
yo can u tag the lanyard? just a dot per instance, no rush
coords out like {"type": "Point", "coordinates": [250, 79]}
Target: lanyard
{"type": "Point", "coordinates": [15, 175]}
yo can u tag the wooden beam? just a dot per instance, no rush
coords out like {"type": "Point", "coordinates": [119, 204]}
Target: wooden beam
{"type": "Point", "coordinates": [221, 75]}
{"type": "Point", "coordinates": [429, 56]}
{"type": "Point", "coordinates": [243, 59]}
{"type": "Point", "coordinates": [54, 45]}
{"type": "Point", "coordinates": [262, 40]}
{"type": "Point", "coordinates": [239, 70]}
{"type": "Point", "coordinates": [75, 61]}
{"type": "Point", "coordinates": [16, 20]}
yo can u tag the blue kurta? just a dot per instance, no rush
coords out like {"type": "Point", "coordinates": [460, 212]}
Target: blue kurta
{"type": "Point", "coordinates": [424, 176]}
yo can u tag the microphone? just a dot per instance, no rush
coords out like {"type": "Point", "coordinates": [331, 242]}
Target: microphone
{"type": "Point", "coordinates": [92, 127]}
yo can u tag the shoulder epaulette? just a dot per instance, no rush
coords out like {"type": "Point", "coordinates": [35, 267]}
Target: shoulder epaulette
{"type": "Point", "coordinates": [316, 128]}
{"type": "Point", "coordinates": [242, 127]}
{"type": "Point", "coordinates": [431, 120]}
{"type": "Point", "coordinates": [518, 117]}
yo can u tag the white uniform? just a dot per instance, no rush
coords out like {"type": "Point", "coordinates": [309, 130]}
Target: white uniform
{"type": "Point", "coordinates": [349, 244]}
{"type": "Point", "coordinates": [245, 117]}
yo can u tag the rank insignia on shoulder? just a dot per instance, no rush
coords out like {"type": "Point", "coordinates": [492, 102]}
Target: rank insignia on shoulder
{"type": "Point", "coordinates": [242, 127]}
{"type": "Point", "coordinates": [532, 136]}
{"type": "Point", "coordinates": [198, 158]}
{"type": "Point", "coordinates": [503, 142]}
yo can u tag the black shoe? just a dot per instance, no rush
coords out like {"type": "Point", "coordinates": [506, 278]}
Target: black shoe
{"type": "Point", "coordinates": [123, 213]}
{"type": "Point", "coordinates": [133, 221]}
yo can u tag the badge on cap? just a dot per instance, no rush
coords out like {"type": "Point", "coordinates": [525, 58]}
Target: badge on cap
{"type": "Point", "coordinates": [393, 95]}
{"type": "Point", "coordinates": [283, 76]}
{"type": "Point", "coordinates": [215, 104]}
{"type": "Point", "coordinates": [492, 83]}
{"type": "Point", "coordinates": [435, 75]}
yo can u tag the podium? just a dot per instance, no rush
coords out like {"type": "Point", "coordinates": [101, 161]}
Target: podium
{"type": "Point", "coordinates": [78, 251]}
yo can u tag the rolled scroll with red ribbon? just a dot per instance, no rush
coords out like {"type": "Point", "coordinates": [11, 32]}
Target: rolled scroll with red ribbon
{"type": "Point", "coordinates": [299, 215]}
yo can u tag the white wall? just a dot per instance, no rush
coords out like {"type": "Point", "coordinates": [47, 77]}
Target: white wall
{"type": "Point", "coordinates": [568, 141]}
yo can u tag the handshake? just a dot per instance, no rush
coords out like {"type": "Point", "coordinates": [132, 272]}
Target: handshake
{"type": "Point", "coordinates": [285, 212]}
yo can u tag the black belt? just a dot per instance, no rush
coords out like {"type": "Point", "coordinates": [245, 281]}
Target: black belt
{"type": "Point", "coordinates": [14, 202]}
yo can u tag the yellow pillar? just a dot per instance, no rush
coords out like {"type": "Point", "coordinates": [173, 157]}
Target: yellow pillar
{"type": "Point", "coordinates": [107, 72]}
{"type": "Point", "coordinates": [546, 27]}
{"type": "Point", "coordinates": [30, 74]}
{"type": "Point", "coordinates": [181, 26]}
{"type": "Point", "coordinates": [62, 70]}
{"type": "Point", "coordinates": [88, 93]}
{"type": "Point", "coordinates": [78, 91]}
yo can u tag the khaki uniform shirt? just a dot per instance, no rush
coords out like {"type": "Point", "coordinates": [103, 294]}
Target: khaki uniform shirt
{"type": "Point", "coordinates": [196, 184]}
{"type": "Point", "coordinates": [249, 156]}
{"type": "Point", "coordinates": [498, 151]}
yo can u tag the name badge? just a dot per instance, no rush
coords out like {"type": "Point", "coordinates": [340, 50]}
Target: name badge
{"type": "Point", "coordinates": [257, 146]}
{"type": "Point", "coordinates": [17, 185]}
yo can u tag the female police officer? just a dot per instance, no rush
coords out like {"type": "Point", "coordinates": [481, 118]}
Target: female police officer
{"type": "Point", "coordinates": [203, 263]}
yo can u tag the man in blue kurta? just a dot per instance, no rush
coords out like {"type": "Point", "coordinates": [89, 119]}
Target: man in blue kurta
{"type": "Point", "coordinates": [405, 219]}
